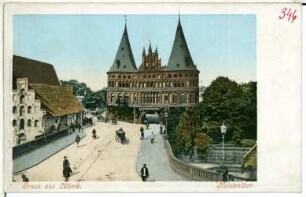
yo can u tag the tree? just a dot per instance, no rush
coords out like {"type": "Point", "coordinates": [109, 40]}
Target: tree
{"type": "Point", "coordinates": [227, 101]}
{"type": "Point", "coordinates": [190, 133]}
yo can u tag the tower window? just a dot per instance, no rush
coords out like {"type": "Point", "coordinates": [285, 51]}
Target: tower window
{"type": "Point", "coordinates": [124, 66]}
{"type": "Point", "coordinates": [118, 63]}
{"type": "Point", "coordinates": [122, 48]}
{"type": "Point", "coordinates": [177, 65]}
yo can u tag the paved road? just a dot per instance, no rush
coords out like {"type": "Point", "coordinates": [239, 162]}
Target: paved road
{"type": "Point", "coordinates": [42, 153]}
{"type": "Point", "coordinates": [102, 159]}
{"type": "Point", "coordinates": [155, 156]}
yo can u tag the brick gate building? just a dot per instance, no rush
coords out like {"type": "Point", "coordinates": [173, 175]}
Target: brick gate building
{"type": "Point", "coordinates": [152, 85]}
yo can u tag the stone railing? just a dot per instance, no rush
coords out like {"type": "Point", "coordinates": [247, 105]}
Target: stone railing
{"type": "Point", "coordinates": [188, 171]}
{"type": "Point", "coordinates": [252, 152]}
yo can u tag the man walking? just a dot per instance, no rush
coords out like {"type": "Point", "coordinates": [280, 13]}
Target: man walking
{"type": "Point", "coordinates": [94, 136]}
{"type": "Point", "coordinates": [141, 133]}
{"type": "Point", "coordinates": [152, 138]}
{"type": "Point", "coordinates": [144, 172]}
{"type": "Point", "coordinates": [66, 169]}
{"type": "Point", "coordinates": [161, 129]}
{"type": "Point", "coordinates": [77, 139]}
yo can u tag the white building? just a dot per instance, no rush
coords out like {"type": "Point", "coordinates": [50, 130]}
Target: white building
{"type": "Point", "coordinates": [27, 113]}
{"type": "Point", "coordinates": [41, 105]}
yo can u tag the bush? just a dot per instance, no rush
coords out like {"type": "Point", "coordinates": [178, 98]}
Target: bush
{"type": "Point", "coordinates": [247, 142]}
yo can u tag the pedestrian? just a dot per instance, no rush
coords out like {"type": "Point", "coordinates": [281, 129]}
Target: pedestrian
{"type": "Point", "coordinates": [144, 172]}
{"type": "Point", "coordinates": [67, 173]}
{"type": "Point", "coordinates": [65, 162]}
{"type": "Point", "coordinates": [141, 133]}
{"type": "Point", "coordinates": [161, 129]}
{"type": "Point", "coordinates": [94, 136]}
{"type": "Point", "coordinates": [152, 138]}
{"type": "Point", "coordinates": [147, 125]}
{"type": "Point", "coordinates": [66, 169]}
{"type": "Point", "coordinates": [24, 178]}
{"type": "Point", "coordinates": [77, 139]}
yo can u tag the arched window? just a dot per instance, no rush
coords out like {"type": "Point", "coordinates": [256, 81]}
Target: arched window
{"type": "Point", "coordinates": [14, 123]}
{"type": "Point", "coordinates": [21, 110]}
{"type": "Point", "coordinates": [29, 109]}
{"type": "Point", "coordinates": [14, 109]}
{"type": "Point", "coordinates": [22, 98]}
{"type": "Point", "coordinates": [36, 123]}
{"type": "Point", "coordinates": [29, 123]}
{"type": "Point", "coordinates": [21, 124]}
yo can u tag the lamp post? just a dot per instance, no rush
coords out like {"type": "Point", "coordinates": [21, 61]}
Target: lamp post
{"type": "Point", "coordinates": [166, 116]}
{"type": "Point", "coordinates": [223, 129]}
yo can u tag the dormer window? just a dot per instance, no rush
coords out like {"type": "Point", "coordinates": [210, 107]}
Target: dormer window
{"type": "Point", "coordinates": [118, 63]}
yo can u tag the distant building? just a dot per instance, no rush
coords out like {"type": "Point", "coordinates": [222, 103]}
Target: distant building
{"type": "Point", "coordinates": [40, 104]}
{"type": "Point", "coordinates": [151, 85]}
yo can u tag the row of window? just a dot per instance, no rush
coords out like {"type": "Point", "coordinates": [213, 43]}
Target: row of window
{"type": "Point", "coordinates": [22, 110]}
{"type": "Point", "coordinates": [29, 123]}
{"type": "Point", "coordinates": [154, 76]}
{"type": "Point", "coordinates": [122, 84]}
{"type": "Point", "coordinates": [22, 98]}
{"type": "Point", "coordinates": [155, 98]}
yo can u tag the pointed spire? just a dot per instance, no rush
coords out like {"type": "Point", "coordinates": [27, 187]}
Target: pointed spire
{"type": "Point", "coordinates": [144, 52]}
{"type": "Point", "coordinates": [150, 48]}
{"type": "Point", "coordinates": [125, 28]}
{"type": "Point", "coordinates": [124, 60]}
{"type": "Point", "coordinates": [180, 58]}
{"type": "Point", "coordinates": [156, 52]}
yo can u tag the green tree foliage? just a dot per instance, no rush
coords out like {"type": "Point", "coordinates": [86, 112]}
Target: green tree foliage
{"type": "Point", "coordinates": [78, 88]}
{"type": "Point", "coordinates": [223, 101]}
{"type": "Point", "coordinates": [92, 100]}
{"type": "Point", "coordinates": [123, 113]}
{"type": "Point", "coordinates": [190, 132]}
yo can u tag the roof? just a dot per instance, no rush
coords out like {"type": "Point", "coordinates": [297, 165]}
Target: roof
{"type": "Point", "coordinates": [124, 60]}
{"type": "Point", "coordinates": [180, 58]}
{"type": "Point", "coordinates": [57, 100]}
{"type": "Point", "coordinates": [35, 71]}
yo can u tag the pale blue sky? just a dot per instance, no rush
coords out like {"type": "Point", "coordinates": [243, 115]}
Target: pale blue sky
{"type": "Point", "coordinates": [83, 47]}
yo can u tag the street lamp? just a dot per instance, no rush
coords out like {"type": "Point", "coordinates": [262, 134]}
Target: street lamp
{"type": "Point", "coordinates": [166, 116]}
{"type": "Point", "coordinates": [223, 129]}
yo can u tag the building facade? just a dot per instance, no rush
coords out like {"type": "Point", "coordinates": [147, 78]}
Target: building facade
{"type": "Point", "coordinates": [151, 84]}
{"type": "Point", "coordinates": [41, 105]}
{"type": "Point", "coordinates": [27, 113]}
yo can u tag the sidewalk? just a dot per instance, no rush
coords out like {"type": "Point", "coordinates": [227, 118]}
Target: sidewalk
{"type": "Point", "coordinates": [40, 154]}
{"type": "Point", "coordinates": [155, 156]}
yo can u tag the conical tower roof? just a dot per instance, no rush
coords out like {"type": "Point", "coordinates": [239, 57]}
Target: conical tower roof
{"type": "Point", "coordinates": [124, 60]}
{"type": "Point", "coordinates": [180, 58]}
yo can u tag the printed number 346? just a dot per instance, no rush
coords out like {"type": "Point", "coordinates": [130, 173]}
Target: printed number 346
{"type": "Point", "coordinates": [287, 12]}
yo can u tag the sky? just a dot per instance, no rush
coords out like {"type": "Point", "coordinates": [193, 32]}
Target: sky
{"type": "Point", "coordinates": [83, 47]}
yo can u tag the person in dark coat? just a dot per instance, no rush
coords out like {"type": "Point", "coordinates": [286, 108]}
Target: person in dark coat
{"type": "Point", "coordinates": [161, 129]}
{"type": "Point", "coordinates": [77, 139]}
{"type": "Point", "coordinates": [94, 136]}
{"type": "Point", "coordinates": [141, 133]}
{"type": "Point", "coordinates": [144, 172]}
{"type": "Point", "coordinates": [67, 173]}
{"type": "Point", "coordinates": [66, 169]}
{"type": "Point", "coordinates": [24, 178]}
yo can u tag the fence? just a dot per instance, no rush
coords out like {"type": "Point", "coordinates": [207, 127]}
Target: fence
{"type": "Point", "coordinates": [42, 140]}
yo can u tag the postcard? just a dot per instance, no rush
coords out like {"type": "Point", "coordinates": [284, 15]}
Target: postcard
{"type": "Point", "coordinates": [152, 97]}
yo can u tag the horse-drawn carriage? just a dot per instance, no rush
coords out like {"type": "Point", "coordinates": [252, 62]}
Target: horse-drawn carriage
{"type": "Point", "coordinates": [120, 136]}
